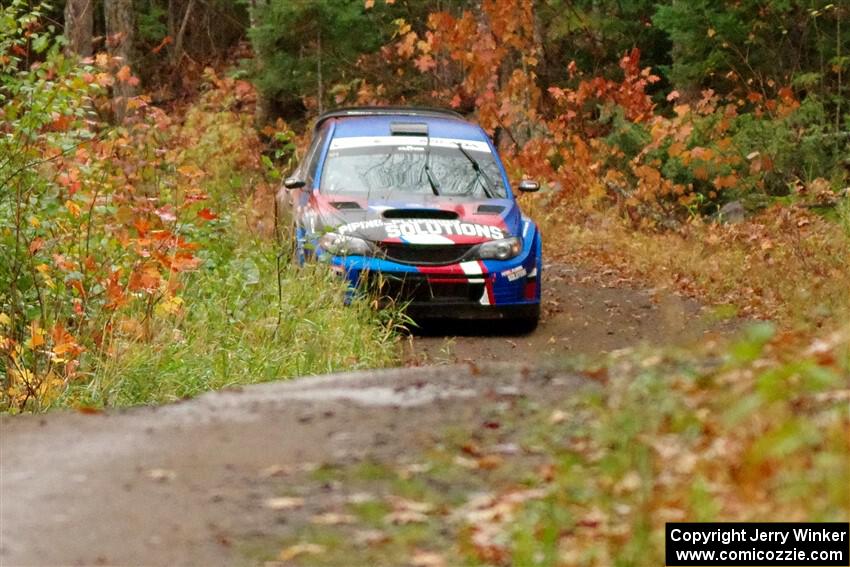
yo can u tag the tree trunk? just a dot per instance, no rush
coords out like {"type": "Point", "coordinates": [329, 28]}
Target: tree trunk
{"type": "Point", "coordinates": [119, 41]}
{"type": "Point", "coordinates": [262, 112]}
{"type": "Point", "coordinates": [79, 22]}
{"type": "Point", "coordinates": [320, 82]}
{"type": "Point", "coordinates": [178, 41]}
{"type": "Point", "coordinates": [172, 20]}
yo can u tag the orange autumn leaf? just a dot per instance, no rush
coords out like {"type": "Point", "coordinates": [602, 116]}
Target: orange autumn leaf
{"type": "Point", "coordinates": [146, 278]}
{"type": "Point", "coordinates": [701, 173]}
{"type": "Point", "coordinates": [73, 208]}
{"type": "Point", "coordinates": [725, 181]}
{"type": "Point", "coordinates": [183, 262]}
{"type": "Point", "coordinates": [676, 149]}
{"type": "Point", "coordinates": [36, 335]}
{"type": "Point", "coordinates": [207, 214]}
{"type": "Point", "coordinates": [165, 41]}
{"type": "Point", "coordinates": [124, 74]}
{"type": "Point", "coordinates": [64, 344]}
{"type": "Point", "coordinates": [36, 245]}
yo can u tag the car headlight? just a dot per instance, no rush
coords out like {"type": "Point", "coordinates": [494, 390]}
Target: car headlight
{"type": "Point", "coordinates": [340, 245]}
{"type": "Point", "coordinates": [503, 249]}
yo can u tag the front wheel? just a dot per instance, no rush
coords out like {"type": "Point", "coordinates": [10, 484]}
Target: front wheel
{"type": "Point", "coordinates": [528, 323]}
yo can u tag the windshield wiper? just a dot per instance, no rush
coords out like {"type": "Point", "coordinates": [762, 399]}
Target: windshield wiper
{"type": "Point", "coordinates": [431, 181]}
{"type": "Point", "coordinates": [478, 172]}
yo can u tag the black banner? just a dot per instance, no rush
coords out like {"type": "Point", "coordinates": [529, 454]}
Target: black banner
{"type": "Point", "coordinates": [812, 544]}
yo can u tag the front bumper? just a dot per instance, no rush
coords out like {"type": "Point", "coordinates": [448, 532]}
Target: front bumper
{"type": "Point", "coordinates": [480, 289]}
{"type": "Point", "coordinates": [419, 311]}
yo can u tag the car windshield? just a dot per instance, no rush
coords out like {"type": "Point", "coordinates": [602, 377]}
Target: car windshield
{"type": "Point", "coordinates": [394, 165]}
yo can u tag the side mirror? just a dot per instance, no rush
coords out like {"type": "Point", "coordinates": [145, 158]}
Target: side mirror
{"type": "Point", "coordinates": [293, 183]}
{"type": "Point", "coordinates": [528, 186]}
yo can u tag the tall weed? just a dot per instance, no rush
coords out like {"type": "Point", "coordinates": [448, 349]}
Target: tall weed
{"type": "Point", "coordinates": [233, 328]}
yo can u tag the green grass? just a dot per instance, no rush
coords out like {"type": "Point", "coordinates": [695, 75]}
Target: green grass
{"type": "Point", "coordinates": [233, 329]}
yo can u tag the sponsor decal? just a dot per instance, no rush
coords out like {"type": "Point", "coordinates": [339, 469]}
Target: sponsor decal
{"type": "Point", "coordinates": [514, 273]}
{"type": "Point", "coordinates": [414, 228]}
{"type": "Point", "coordinates": [407, 143]}
{"type": "Point", "coordinates": [361, 225]}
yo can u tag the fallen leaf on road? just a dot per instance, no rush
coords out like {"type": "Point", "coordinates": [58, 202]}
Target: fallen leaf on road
{"type": "Point", "coordinates": [408, 471]}
{"type": "Point", "coordinates": [370, 537]}
{"type": "Point", "coordinates": [410, 505]}
{"type": "Point", "coordinates": [557, 417]}
{"type": "Point", "coordinates": [360, 498]}
{"type": "Point", "coordinates": [427, 559]}
{"type": "Point", "coordinates": [471, 449]}
{"type": "Point", "coordinates": [332, 519]}
{"type": "Point", "coordinates": [546, 472]}
{"type": "Point", "coordinates": [275, 470]}
{"type": "Point", "coordinates": [506, 449]}
{"type": "Point", "coordinates": [489, 462]}
{"type": "Point", "coordinates": [283, 503]}
{"type": "Point", "coordinates": [404, 517]}
{"type": "Point", "coordinates": [465, 462]}
{"type": "Point", "coordinates": [308, 467]}
{"type": "Point", "coordinates": [299, 549]}
{"type": "Point", "coordinates": [161, 475]}
{"type": "Point", "coordinates": [407, 511]}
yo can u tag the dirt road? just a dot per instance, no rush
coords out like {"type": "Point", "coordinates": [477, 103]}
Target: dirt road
{"type": "Point", "coordinates": [196, 482]}
{"type": "Point", "coordinates": [583, 314]}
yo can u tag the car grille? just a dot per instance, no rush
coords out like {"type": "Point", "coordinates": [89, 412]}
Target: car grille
{"type": "Point", "coordinates": [419, 290]}
{"type": "Point", "coordinates": [433, 254]}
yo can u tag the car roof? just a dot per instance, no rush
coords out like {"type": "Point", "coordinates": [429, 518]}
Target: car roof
{"type": "Point", "coordinates": [376, 121]}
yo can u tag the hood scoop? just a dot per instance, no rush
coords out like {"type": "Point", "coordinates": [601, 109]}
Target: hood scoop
{"type": "Point", "coordinates": [346, 205]}
{"type": "Point", "coordinates": [438, 214]}
{"type": "Point", "coordinates": [490, 209]}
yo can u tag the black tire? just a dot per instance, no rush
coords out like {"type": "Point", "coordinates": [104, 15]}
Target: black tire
{"type": "Point", "coordinates": [527, 325]}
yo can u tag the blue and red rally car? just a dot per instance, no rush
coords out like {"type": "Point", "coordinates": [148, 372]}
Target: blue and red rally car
{"type": "Point", "coordinates": [416, 202]}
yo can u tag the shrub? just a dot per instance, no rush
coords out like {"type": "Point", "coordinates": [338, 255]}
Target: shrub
{"type": "Point", "coordinates": [111, 234]}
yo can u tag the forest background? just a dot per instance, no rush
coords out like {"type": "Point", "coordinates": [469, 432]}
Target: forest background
{"type": "Point", "coordinates": [699, 148]}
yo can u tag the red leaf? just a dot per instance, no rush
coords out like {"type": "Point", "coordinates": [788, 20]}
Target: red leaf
{"type": "Point", "coordinates": [141, 226]}
{"type": "Point", "coordinates": [165, 41]}
{"type": "Point", "coordinates": [207, 214]}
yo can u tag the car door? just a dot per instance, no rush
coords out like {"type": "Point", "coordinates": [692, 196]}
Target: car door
{"type": "Point", "coordinates": [300, 202]}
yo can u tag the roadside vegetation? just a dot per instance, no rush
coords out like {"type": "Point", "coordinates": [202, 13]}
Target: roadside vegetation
{"type": "Point", "coordinates": [139, 263]}
{"type": "Point", "coordinates": [755, 430]}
